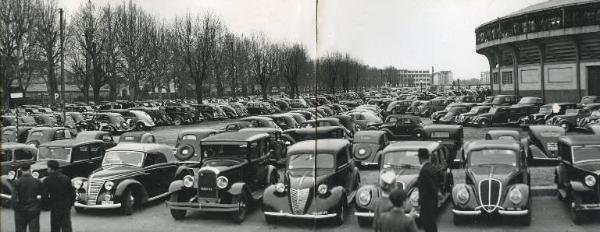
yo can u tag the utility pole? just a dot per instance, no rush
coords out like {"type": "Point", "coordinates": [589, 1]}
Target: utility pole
{"type": "Point", "coordinates": [62, 64]}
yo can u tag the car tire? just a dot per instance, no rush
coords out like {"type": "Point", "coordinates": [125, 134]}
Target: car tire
{"type": "Point", "coordinates": [269, 219]}
{"type": "Point", "coordinates": [240, 215]}
{"type": "Point", "coordinates": [484, 123]}
{"type": "Point", "coordinates": [364, 222]}
{"type": "Point", "coordinates": [127, 202]}
{"type": "Point", "coordinates": [341, 213]}
{"type": "Point", "coordinates": [177, 121]}
{"type": "Point", "coordinates": [419, 134]}
{"type": "Point", "coordinates": [176, 213]}
{"type": "Point", "coordinates": [576, 216]}
{"type": "Point", "coordinates": [141, 127]}
{"type": "Point", "coordinates": [79, 210]}
{"type": "Point", "coordinates": [459, 220]}
{"type": "Point", "coordinates": [565, 126]}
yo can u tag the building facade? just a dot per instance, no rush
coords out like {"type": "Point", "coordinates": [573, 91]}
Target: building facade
{"type": "Point", "coordinates": [550, 50]}
{"type": "Point", "coordinates": [484, 77]}
{"type": "Point", "coordinates": [415, 77]}
{"type": "Point", "coordinates": [442, 78]}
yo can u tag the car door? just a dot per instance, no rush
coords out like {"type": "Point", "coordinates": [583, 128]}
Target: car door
{"type": "Point", "coordinates": [160, 173]}
{"type": "Point", "coordinates": [97, 151]}
{"type": "Point", "coordinates": [501, 115]}
{"type": "Point", "coordinates": [81, 164]}
{"type": "Point", "coordinates": [256, 173]}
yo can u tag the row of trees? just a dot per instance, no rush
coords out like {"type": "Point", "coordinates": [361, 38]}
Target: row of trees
{"type": "Point", "coordinates": [111, 46]}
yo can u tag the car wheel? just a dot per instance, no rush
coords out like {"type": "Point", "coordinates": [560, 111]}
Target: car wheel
{"type": "Point", "coordinates": [484, 123]}
{"type": "Point", "coordinates": [79, 209]}
{"type": "Point", "coordinates": [128, 202]}
{"type": "Point", "coordinates": [176, 213]}
{"type": "Point", "coordinates": [364, 222]}
{"type": "Point", "coordinates": [459, 220]}
{"type": "Point", "coordinates": [269, 219]}
{"type": "Point", "coordinates": [141, 127]}
{"type": "Point", "coordinates": [576, 215]}
{"type": "Point", "coordinates": [419, 134]}
{"type": "Point", "coordinates": [341, 213]}
{"type": "Point", "coordinates": [565, 126]}
{"type": "Point", "coordinates": [240, 215]}
{"type": "Point", "coordinates": [177, 120]}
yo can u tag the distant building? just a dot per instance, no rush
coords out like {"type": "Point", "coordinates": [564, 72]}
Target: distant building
{"type": "Point", "coordinates": [442, 78]}
{"type": "Point", "coordinates": [415, 77]}
{"type": "Point", "coordinates": [485, 77]}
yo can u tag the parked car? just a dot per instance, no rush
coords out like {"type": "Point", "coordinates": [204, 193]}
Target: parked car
{"type": "Point", "coordinates": [11, 134]}
{"type": "Point", "coordinates": [466, 118]}
{"type": "Point", "coordinates": [367, 147]}
{"type": "Point", "coordinates": [545, 112]}
{"type": "Point", "coordinates": [278, 143]}
{"type": "Point", "coordinates": [284, 121]}
{"type": "Point", "coordinates": [43, 119]}
{"type": "Point", "coordinates": [532, 101]}
{"type": "Point", "coordinates": [398, 107]}
{"type": "Point", "coordinates": [24, 120]}
{"type": "Point", "coordinates": [400, 126]}
{"type": "Point", "coordinates": [131, 175]}
{"type": "Point", "coordinates": [365, 119]}
{"type": "Point", "coordinates": [585, 100]}
{"type": "Point", "coordinates": [399, 169]}
{"type": "Point", "coordinates": [335, 181]}
{"type": "Point", "coordinates": [454, 109]}
{"type": "Point", "coordinates": [137, 137]}
{"type": "Point", "coordinates": [585, 122]}
{"type": "Point", "coordinates": [112, 122]}
{"type": "Point", "coordinates": [13, 157]}
{"type": "Point", "coordinates": [320, 132]}
{"type": "Point", "coordinates": [260, 121]}
{"type": "Point", "coordinates": [505, 100]}
{"type": "Point", "coordinates": [577, 175]}
{"type": "Point", "coordinates": [568, 121]}
{"type": "Point", "coordinates": [39, 135]}
{"type": "Point", "coordinates": [258, 108]}
{"type": "Point", "coordinates": [503, 135]}
{"type": "Point", "coordinates": [414, 107]}
{"type": "Point", "coordinates": [437, 104]}
{"type": "Point", "coordinates": [188, 143]}
{"type": "Point", "coordinates": [497, 182]}
{"type": "Point", "coordinates": [235, 170]}
{"type": "Point", "coordinates": [450, 136]}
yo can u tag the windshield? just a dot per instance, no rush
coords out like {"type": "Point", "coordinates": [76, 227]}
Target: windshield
{"type": "Point", "coordinates": [54, 153]}
{"type": "Point", "coordinates": [572, 111]}
{"type": "Point", "coordinates": [307, 161]}
{"type": "Point", "coordinates": [401, 158]}
{"type": "Point", "coordinates": [133, 158]}
{"type": "Point", "coordinates": [493, 156]}
{"type": "Point", "coordinates": [321, 124]}
{"type": "Point", "coordinates": [586, 154]}
{"type": "Point", "coordinates": [225, 150]}
{"type": "Point", "coordinates": [545, 109]}
{"type": "Point", "coordinates": [528, 100]}
{"type": "Point", "coordinates": [587, 100]}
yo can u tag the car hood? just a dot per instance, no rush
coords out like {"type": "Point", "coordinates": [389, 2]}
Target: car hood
{"type": "Point", "coordinates": [223, 164]}
{"type": "Point", "coordinates": [116, 172]}
{"type": "Point", "coordinates": [566, 117]}
{"type": "Point", "coordinates": [500, 172]}
{"type": "Point", "coordinates": [42, 165]}
{"type": "Point", "coordinates": [408, 176]}
{"type": "Point", "coordinates": [304, 178]}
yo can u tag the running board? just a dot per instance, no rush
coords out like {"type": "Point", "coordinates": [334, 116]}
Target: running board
{"type": "Point", "coordinates": [158, 196]}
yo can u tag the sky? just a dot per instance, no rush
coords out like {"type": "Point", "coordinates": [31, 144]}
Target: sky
{"type": "Point", "coordinates": [407, 34]}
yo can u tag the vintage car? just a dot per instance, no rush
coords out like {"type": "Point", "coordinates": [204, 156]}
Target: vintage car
{"type": "Point", "coordinates": [105, 136]}
{"type": "Point", "coordinates": [568, 121]}
{"type": "Point", "coordinates": [487, 101]}
{"type": "Point", "coordinates": [257, 108]}
{"type": "Point", "coordinates": [450, 112]}
{"type": "Point", "coordinates": [320, 132]}
{"type": "Point", "coordinates": [39, 135]}
{"type": "Point", "coordinates": [398, 107]}
{"type": "Point", "coordinates": [229, 111]}
{"type": "Point", "coordinates": [348, 122]}
{"type": "Point", "coordinates": [399, 168]}
{"type": "Point", "coordinates": [321, 122]}
{"type": "Point", "coordinates": [14, 135]}
{"type": "Point", "coordinates": [497, 182]}
{"type": "Point", "coordinates": [260, 121]}
{"type": "Point", "coordinates": [24, 120]}
{"type": "Point", "coordinates": [13, 157]}
{"type": "Point", "coordinates": [496, 115]}
{"type": "Point", "coordinates": [365, 118]}
{"type": "Point", "coordinates": [532, 101]}
{"type": "Point", "coordinates": [585, 100]}
{"type": "Point", "coordinates": [181, 113]}
{"type": "Point", "coordinates": [137, 137]}
{"type": "Point", "coordinates": [131, 175]}
{"type": "Point", "coordinates": [545, 112]}
{"type": "Point", "coordinates": [284, 121]}
{"type": "Point", "coordinates": [585, 122]}
{"type": "Point", "coordinates": [505, 100]}
{"type": "Point", "coordinates": [398, 126]}
{"type": "Point", "coordinates": [112, 122]}
{"type": "Point", "coordinates": [541, 145]}
{"type": "Point", "coordinates": [367, 147]}
{"type": "Point", "coordinates": [188, 143]}
{"type": "Point", "coordinates": [577, 176]}
{"type": "Point", "coordinates": [208, 111]}
{"type": "Point", "coordinates": [432, 106]}
{"type": "Point", "coordinates": [414, 107]}
{"type": "Point", "coordinates": [300, 118]}
{"type": "Point", "coordinates": [278, 143]}
{"type": "Point", "coordinates": [44, 119]}
{"type": "Point", "coordinates": [466, 118]}
{"type": "Point", "coordinates": [503, 135]}
{"type": "Point", "coordinates": [450, 136]}
{"type": "Point", "coordinates": [320, 182]}
{"type": "Point", "coordinates": [236, 168]}
{"type": "Point", "coordinates": [143, 121]}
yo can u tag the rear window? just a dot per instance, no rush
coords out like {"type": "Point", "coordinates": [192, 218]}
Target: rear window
{"type": "Point", "coordinates": [440, 134]}
{"type": "Point", "coordinates": [189, 137]}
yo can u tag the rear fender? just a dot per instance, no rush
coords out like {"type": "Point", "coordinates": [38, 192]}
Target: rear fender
{"type": "Point", "coordinates": [525, 197]}
{"type": "Point", "coordinates": [182, 171]}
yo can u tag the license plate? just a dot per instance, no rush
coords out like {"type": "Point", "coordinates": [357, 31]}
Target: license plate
{"type": "Point", "coordinates": [107, 202]}
{"type": "Point", "coordinates": [552, 147]}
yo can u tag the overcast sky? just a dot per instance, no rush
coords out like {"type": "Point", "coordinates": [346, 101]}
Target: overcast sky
{"type": "Point", "coordinates": [413, 34]}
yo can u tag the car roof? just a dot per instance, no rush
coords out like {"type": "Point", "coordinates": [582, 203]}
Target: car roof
{"type": "Point", "coordinates": [90, 134]}
{"type": "Point", "coordinates": [580, 140]}
{"type": "Point", "coordinates": [142, 147]}
{"type": "Point", "coordinates": [492, 144]}
{"type": "Point", "coordinates": [257, 118]}
{"type": "Point", "coordinates": [197, 131]}
{"type": "Point", "coordinates": [370, 132]}
{"type": "Point", "coordinates": [442, 127]}
{"type": "Point", "coordinates": [13, 145]}
{"type": "Point", "coordinates": [322, 145]}
{"type": "Point", "coordinates": [238, 136]}
{"type": "Point", "coordinates": [260, 129]}
{"type": "Point", "coordinates": [69, 142]}
{"type": "Point", "coordinates": [318, 129]}
{"type": "Point", "coordinates": [411, 145]}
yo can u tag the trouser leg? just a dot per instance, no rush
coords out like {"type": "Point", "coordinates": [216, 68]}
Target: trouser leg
{"type": "Point", "coordinates": [20, 224]}
{"type": "Point", "coordinates": [34, 222]}
{"type": "Point", "coordinates": [54, 221]}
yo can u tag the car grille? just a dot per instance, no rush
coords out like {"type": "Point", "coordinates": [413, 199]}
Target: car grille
{"type": "Point", "coordinates": [94, 187]}
{"type": "Point", "coordinates": [207, 183]}
{"type": "Point", "coordinates": [298, 198]}
{"type": "Point", "coordinates": [490, 191]}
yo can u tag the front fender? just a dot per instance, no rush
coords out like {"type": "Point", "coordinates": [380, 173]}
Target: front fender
{"type": "Point", "coordinates": [471, 203]}
{"type": "Point", "coordinates": [524, 203]}
{"type": "Point", "coordinates": [123, 185]}
{"type": "Point", "coordinates": [182, 170]}
{"type": "Point", "coordinates": [578, 186]}
{"type": "Point", "coordinates": [375, 197]}
{"type": "Point", "coordinates": [236, 188]}
{"type": "Point", "coordinates": [175, 186]}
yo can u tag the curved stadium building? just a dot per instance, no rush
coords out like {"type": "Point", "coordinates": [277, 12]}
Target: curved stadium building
{"type": "Point", "coordinates": [550, 50]}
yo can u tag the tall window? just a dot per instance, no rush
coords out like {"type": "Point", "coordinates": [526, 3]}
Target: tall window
{"type": "Point", "coordinates": [507, 78]}
{"type": "Point", "coordinates": [495, 78]}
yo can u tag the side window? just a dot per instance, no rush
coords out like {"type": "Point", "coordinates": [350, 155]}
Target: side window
{"type": "Point", "coordinates": [23, 154]}
{"type": "Point", "coordinates": [151, 159]}
{"type": "Point", "coordinates": [342, 157]}
{"type": "Point", "coordinates": [96, 150]}
{"type": "Point", "coordinates": [80, 153]}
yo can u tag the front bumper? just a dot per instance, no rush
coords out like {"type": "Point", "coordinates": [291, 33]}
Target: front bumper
{"type": "Point", "coordinates": [588, 207]}
{"type": "Point", "coordinates": [303, 216]}
{"type": "Point", "coordinates": [203, 207]}
{"type": "Point", "coordinates": [499, 211]}
{"type": "Point", "coordinates": [5, 196]}
{"type": "Point", "coordinates": [364, 214]}
{"type": "Point", "coordinates": [106, 206]}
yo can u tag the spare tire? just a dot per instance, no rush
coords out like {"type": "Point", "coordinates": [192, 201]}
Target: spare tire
{"type": "Point", "coordinates": [184, 152]}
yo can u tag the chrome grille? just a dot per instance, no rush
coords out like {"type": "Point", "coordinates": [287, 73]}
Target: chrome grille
{"type": "Point", "coordinates": [207, 183]}
{"type": "Point", "coordinates": [490, 191]}
{"type": "Point", "coordinates": [298, 198]}
{"type": "Point", "coordinates": [94, 187]}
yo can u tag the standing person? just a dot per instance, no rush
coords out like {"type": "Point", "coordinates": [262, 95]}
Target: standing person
{"type": "Point", "coordinates": [428, 191]}
{"type": "Point", "coordinates": [396, 219]}
{"type": "Point", "coordinates": [26, 200]}
{"type": "Point", "coordinates": [60, 196]}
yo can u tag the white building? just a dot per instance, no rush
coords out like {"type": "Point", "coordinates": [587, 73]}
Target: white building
{"type": "Point", "coordinates": [442, 78]}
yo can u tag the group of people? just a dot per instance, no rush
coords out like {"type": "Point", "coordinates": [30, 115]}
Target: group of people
{"type": "Point", "coordinates": [30, 196]}
{"type": "Point", "coordinates": [391, 214]}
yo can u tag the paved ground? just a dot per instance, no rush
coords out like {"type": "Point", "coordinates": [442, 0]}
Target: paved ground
{"type": "Point", "coordinates": [549, 214]}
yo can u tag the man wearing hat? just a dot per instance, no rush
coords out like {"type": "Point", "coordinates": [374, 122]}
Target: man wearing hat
{"type": "Point", "coordinates": [427, 182]}
{"type": "Point", "coordinates": [26, 199]}
{"type": "Point", "coordinates": [60, 196]}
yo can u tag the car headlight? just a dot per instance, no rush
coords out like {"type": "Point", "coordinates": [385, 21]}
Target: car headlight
{"type": "Point", "coordinates": [77, 183]}
{"type": "Point", "coordinates": [12, 175]}
{"type": "Point", "coordinates": [414, 198]}
{"type": "Point", "coordinates": [590, 181]}
{"type": "Point", "coordinates": [322, 189]}
{"type": "Point", "coordinates": [515, 196]}
{"type": "Point", "coordinates": [35, 174]}
{"type": "Point", "coordinates": [362, 151]}
{"type": "Point", "coordinates": [280, 187]}
{"type": "Point", "coordinates": [463, 195]}
{"type": "Point", "coordinates": [222, 182]}
{"type": "Point", "coordinates": [364, 197]}
{"type": "Point", "coordinates": [109, 185]}
{"type": "Point", "coordinates": [188, 181]}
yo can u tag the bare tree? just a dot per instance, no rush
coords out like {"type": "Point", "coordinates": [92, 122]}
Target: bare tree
{"type": "Point", "coordinates": [293, 62]}
{"type": "Point", "coordinates": [45, 33]}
